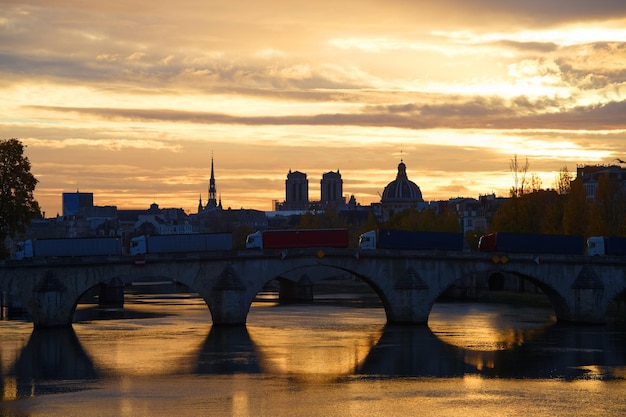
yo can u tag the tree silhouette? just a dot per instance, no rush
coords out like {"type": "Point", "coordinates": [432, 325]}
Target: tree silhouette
{"type": "Point", "coordinates": [17, 203]}
{"type": "Point", "coordinates": [608, 208]}
{"type": "Point", "coordinates": [427, 220]}
{"type": "Point", "coordinates": [576, 210]}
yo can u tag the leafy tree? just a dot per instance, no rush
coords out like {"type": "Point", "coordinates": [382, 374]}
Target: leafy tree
{"type": "Point", "coordinates": [370, 224]}
{"type": "Point", "coordinates": [576, 210]}
{"type": "Point", "coordinates": [511, 216]}
{"type": "Point", "coordinates": [536, 212]}
{"type": "Point", "coordinates": [328, 220]}
{"type": "Point", "coordinates": [427, 220]}
{"type": "Point", "coordinates": [472, 237]}
{"type": "Point", "coordinates": [17, 184]}
{"type": "Point", "coordinates": [608, 208]}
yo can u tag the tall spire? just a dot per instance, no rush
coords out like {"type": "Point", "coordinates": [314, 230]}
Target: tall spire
{"type": "Point", "coordinates": [212, 203]}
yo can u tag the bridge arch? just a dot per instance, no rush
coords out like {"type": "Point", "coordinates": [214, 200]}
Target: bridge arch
{"type": "Point", "coordinates": [303, 276]}
{"type": "Point", "coordinates": [560, 304]}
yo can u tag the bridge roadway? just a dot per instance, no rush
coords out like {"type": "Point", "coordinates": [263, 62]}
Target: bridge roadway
{"type": "Point", "coordinates": [407, 282]}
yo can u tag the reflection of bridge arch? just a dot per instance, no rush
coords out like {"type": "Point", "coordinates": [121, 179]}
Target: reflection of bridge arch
{"type": "Point", "coordinates": [407, 282]}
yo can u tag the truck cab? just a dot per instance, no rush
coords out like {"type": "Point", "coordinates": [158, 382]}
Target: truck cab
{"type": "Point", "coordinates": [487, 243]}
{"type": "Point", "coordinates": [367, 241]}
{"type": "Point", "coordinates": [138, 245]}
{"type": "Point", "coordinates": [24, 249]}
{"type": "Point", "coordinates": [595, 246]}
{"type": "Point", "coordinates": [254, 241]}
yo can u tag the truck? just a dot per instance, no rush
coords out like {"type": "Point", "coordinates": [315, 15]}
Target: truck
{"type": "Point", "coordinates": [298, 238]}
{"type": "Point", "coordinates": [181, 243]}
{"type": "Point", "coordinates": [606, 245]}
{"type": "Point", "coordinates": [411, 240]}
{"type": "Point", "coordinates": [535, 243]}
{"type": "Point", "coordinates": [66, 247]}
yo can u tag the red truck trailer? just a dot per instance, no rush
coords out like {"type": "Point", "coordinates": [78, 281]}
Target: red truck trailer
{"type": "Point", "coordinates": [298, 238]}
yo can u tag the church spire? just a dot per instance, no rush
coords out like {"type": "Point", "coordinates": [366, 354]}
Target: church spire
{"type": "Point", "coordinates": [212, 203]}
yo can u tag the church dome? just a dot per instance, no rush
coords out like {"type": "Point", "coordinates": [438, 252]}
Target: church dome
{"type": "Point", "coordinates": [402, 189]}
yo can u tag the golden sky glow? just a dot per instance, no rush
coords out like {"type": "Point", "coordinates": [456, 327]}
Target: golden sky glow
{"type": "Point", "coordinates": [129, 99]}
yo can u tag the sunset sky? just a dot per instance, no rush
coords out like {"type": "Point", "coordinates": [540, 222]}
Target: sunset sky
{"type": "Point", "coordinates": [129, 99]}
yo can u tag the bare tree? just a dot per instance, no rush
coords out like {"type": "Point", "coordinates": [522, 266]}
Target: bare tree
{"type": "Point", "coordinates": [535, 182]}
{"type": "Point", "coordinates": [519, 175]}
{"type": "Point", "coordinates": [563, 181]}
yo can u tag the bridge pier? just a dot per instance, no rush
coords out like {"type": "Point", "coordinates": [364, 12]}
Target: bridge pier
{"type": "Point", "coordinates": [228, 300]}
{"type": "Point", "coordinates": [228, 306]}
{"type": "Point", "coordinates": [588, 304]}
{"type": "Point", "coordinates": [50, 306]}
{"type": "Point", "coordinates": [411, 302]}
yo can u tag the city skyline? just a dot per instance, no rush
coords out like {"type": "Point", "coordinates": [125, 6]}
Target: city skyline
{"type": "Point", "coordinates": [130, 100]}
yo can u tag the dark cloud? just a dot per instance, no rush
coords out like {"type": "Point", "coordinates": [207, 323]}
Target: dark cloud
{"type": "Point", "coordinates": [481, 112]}
{"type": "Point", "coordinates": [532, 13]}
{"type": "Point", "coordinates": [534, 47]}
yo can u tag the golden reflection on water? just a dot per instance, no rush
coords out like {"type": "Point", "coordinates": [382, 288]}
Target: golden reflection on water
{"type": "Point", "coordinates": [484, 331]}
{"type": "Point", "coordinates": [142, 365]}
{"type": "Point", "coordinates": [315, 349]}
{"type": "Point", "coordinates": [151, 346]}
{"type": "Point", "coordinates": [305, 353]}
{"type": "Point", "coordinates": [9, 389]}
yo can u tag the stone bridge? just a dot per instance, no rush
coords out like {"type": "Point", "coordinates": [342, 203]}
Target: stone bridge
{"type": "Point", "coordinates": [407, 282]}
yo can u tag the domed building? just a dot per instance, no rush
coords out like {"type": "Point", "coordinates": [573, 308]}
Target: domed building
{"type": "Point", "coordinates": [400, 195]}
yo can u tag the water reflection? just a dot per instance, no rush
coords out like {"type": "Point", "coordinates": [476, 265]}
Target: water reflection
{"type": "Point", "coordinates": [228, 350]}
{"type": "Point", "coordinates": [487, 327]}
{"type": "Point", "coordinates": [565, 352]}
{"type": "Point", "coordinates": [307, 344]}
{"type": "Point", "coordinates": [558, 351]}
{"type": "Point", "coordinates": [313, 349]}
{"type": "Point", "coordinates": [412, 351]}
{"type": "Point", "coordinates": [323, 346]}
{"type": "Point", "coordinates": [53, 360]}
{"type": "Point", "coordinates": [159, 335]}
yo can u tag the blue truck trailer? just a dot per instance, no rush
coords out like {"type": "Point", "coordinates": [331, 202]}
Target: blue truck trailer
{"type": "Point", "coordinates": [181, 243]}
{"type": "Point", "coordinates": [411, 240]}
{"type": "Point", "coordinates": [534, 243]}
{"type": "Point", "coordinates": [68, 247]}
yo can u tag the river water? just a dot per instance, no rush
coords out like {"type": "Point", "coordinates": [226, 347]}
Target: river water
{"type": "Point", "coordinates": [162, 357]}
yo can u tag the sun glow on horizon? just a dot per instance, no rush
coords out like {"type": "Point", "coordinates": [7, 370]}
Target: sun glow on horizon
{"type": "Point", "coordinates": [133, 100]}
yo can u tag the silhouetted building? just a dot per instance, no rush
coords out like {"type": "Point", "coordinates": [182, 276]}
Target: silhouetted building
{"type": "Point", "coordinates": [296, 191]}
{"type": "Point", "coordinates": [401, 194]}
{"type": "Point", "coordinates": [331, 187]}
{"type": "Point", "coordinates": [74, 202]}
{"type": "Point", "coordinates": [590, 174]}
